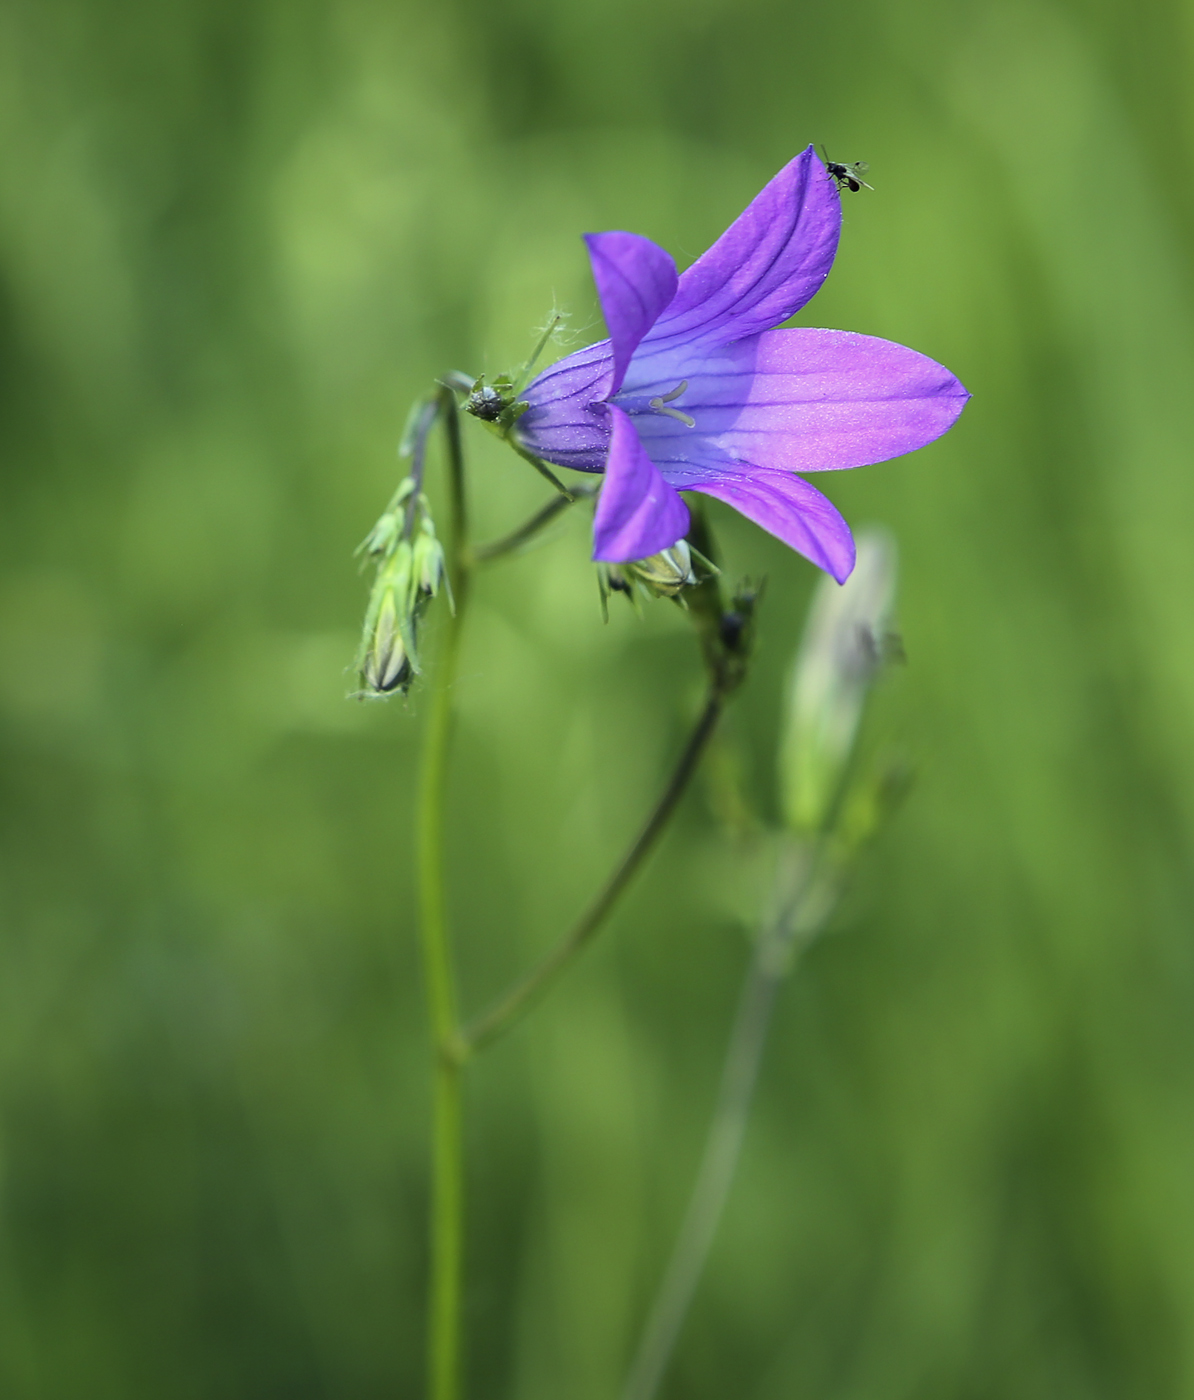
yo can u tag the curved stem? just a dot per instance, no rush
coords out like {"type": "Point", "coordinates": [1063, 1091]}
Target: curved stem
{"type": "Point", "coordinates": [516, 1002]}
{"type": "Point", "coordinates": [508, 544]}
{"type": "Point", "coordinates": [718, 1165]}
{"type": "Point", "coordinates": [807, 897]}
{"type": "Point", "coordinates": [417, 434]}
{"type": "Point", "coordinates": [447, 1174]}
{"type": "Point", "coordinates": [543, 469]}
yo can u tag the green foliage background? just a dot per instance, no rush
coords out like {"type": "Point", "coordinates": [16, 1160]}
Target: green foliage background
{"type": "Point", "coordinates": [237, 237]}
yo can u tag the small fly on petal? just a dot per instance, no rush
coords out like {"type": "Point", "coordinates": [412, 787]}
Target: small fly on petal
{"type": "Point", "coordinates": [847, 176]}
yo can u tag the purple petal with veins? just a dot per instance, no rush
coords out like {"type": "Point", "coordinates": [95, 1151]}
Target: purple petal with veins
{"type": "Point", "coordinates": [807, 400]}
{"type": "Point", "coordinates": [695, 390]}
{"type": "Point", "coordinates": [638, 513]}
{"type": "Point", "coordinates": [635, 280]}
{"type": "Point", "coordinates": [770, 261]}
{"type": "Point", "coordinates": [786, 506]}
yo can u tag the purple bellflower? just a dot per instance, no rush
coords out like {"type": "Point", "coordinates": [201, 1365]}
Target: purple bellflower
{"type": "Point", "coordinates": [695, 391]}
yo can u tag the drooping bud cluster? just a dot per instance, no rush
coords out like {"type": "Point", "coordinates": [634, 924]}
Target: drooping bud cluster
{"type": "Point", "coordinates": [410, 571]}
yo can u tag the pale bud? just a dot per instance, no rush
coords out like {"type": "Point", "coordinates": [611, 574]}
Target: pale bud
{"type": "Point", "coordinates": [846, 639]}
{"type": "Point", "coordinates": [663, 574]}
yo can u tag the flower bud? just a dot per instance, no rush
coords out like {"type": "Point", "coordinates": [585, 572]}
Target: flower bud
{"type": "Point", "coordinates": [386, 665]}
{"type": "Point", "coordinates": [382, 539]}
{"type": "Point", "coordinates": [410, 571]}
{"type": "Point", "coordinates": [662, 575]}
{"type": "Point", "coordinates": [666, 573]}
{"type": "Point", "coordinates": [387, 660]}
{"type": "Point", "coordinates": [846, 640]}
{"type": "Point", "coordinates": [428, 568]}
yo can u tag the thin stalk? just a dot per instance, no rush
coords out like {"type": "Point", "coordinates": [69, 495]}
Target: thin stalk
{"type": "Point", "coordinates": [543, 469]}
{"type": "Point", "coordinates": [804, 911]}
{"type": "Point", "coordinates": [519, 999]}
{"type": "Point", "coordinates": [417, 435]}
{"type": "Point", "coordinates": [525, 373]}
{"type": "Point", "coordinates": [509, 544]}
{"type": "Point", "coordinates": [447, 1171]}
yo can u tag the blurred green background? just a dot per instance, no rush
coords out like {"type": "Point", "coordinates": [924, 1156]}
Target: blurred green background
{"type": "Point", "coordinates": [237, 237]}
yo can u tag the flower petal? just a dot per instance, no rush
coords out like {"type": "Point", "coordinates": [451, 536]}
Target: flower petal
{"type": "Point", "coordinates": [767, 264]}
{"type": "Point", "coordinates": [565, 423]}
{"type": "Point", "coordinates": [787, 507]}
{"type": "Point", "coordinates": [636, 279]}
{"type": "Point", "coordinates": [808, 401]}
{"type": "Point", "coordinates": [638, 513]}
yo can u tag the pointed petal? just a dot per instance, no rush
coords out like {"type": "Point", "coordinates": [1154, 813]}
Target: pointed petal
{"type": "Point", "coordinates": [767, 264]}
{"type": "Point", "coordinates": [809, 401]}
{"type": "Point", "coordinates": [635, 280]}
{"type": "Point", "coordinates": [638, 513]}
{"type": "Point", "coordinates": [787, 507]}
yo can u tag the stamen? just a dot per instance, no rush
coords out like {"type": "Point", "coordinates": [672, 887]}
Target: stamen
{"type": "Point", "coordinates": [657, 405]}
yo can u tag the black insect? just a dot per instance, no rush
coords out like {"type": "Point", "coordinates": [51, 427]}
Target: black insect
{"type": "Point", "coordinates": [485, 403]}
{"type": "Point", "coordinates": [847, 177]}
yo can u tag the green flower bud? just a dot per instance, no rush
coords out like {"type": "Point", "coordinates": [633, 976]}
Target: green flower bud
{"type": "Point", "coordinates": [387, 660]}
{"type": "Point", "coordinates": [381, 540]}
{"type": "Point", "coordinates": [428, 567]}
{"type": "Point", "coordinates": [411, 569]}
{"type": "Point", "coordinates": [386, 665]}
{"type": "Point", "coordinates": [383, 537]}
{"type": "Point", "coordinates": [846, 640]}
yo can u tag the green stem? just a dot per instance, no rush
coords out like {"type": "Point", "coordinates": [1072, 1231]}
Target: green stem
{"type": "Point", "coordinates": [508, 544]}
{"type": "Point", "coordinates": [544, 470]}
{"type": "Point", "coordinates": [447, 1172]}
{"type": "Point", "coordinates": [418, 433]}
{"type": "Point", "coordinates": [807, 892]}
{"type": "Point", "coordinates": [516, 1002]}
{"type": "Point", "coordinates": [718, 1164]}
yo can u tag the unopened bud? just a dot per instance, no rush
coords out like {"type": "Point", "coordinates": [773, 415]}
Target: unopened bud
{"type": "Point", "coordinates": [846, 640]}
{"type": "Point", "coordinates": [663, 575]}
{"type": "Point", "coordinates": [428, 567]}
{"type": "Point", "coordinates": [410, 562]}
{"type": "Point", "coordinates": [381, 540]}
{"type": "Point", "coordinates": [383, 537]}
{"type": "Point", "coordinates": [666, 573]}
{"type": "Point", "coordinates": [387, 664]}
{"type": "Point", "coordinates": [387, 660]}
